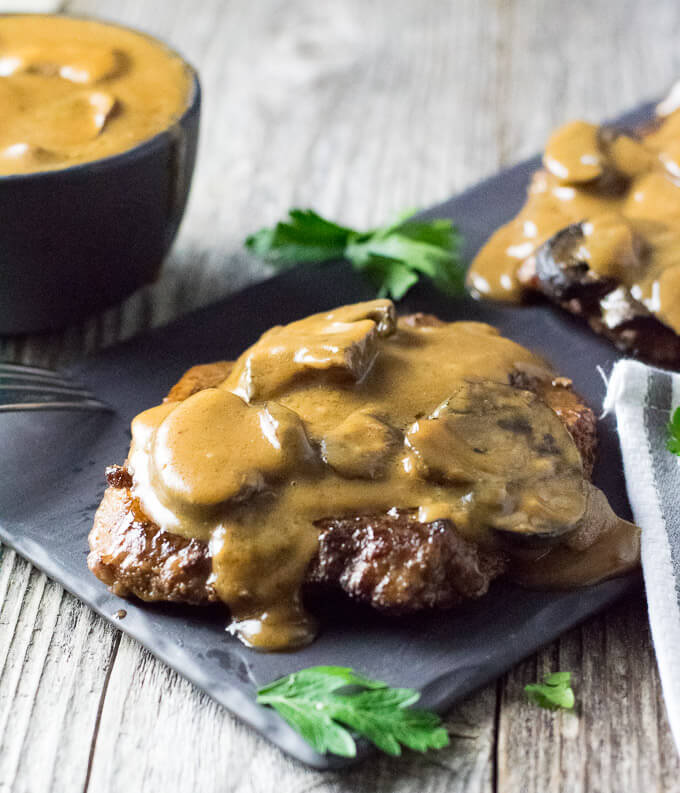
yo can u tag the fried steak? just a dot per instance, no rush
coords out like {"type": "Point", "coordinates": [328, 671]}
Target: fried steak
{"type": "Point", "coordinates": [391, 561]}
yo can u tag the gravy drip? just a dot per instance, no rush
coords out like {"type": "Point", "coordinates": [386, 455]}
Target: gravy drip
{"type": "Point", "coordinates": [627, 191]}
{"type": "Point", "coordinates": [74, 90]}
{"type": "Point", "coordinates": [352, 412]}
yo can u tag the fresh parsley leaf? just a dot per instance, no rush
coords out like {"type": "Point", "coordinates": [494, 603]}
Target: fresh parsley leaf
{"type": "Point", "coordinates": [673, 439]}
{"type": "Point", "coordinates": [317, 703]}
{"type": "Point", "coordinates": [392, 257]}
{"type": "Point", "coordinates": [305, 237]}
{"type": "Point", "coordinates": [554, 692]}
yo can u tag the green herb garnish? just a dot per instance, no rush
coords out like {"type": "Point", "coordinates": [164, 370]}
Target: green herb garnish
{"type": "Point", "coordinates": [392, 257]}
{"type": "Point", "coordinates": [673, 439]}
{"type": "Point", "coordinates": [553, 693]}
{"type": "Point", "coordinates": [312, 703]}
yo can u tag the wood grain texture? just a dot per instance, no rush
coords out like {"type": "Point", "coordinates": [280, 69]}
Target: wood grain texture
{"type": "Point", "coordinates": [54, 656]}
{"type": "Point", "coordinates": [617, 739]}
{"type": "Point", "coordinates": [358, 108]}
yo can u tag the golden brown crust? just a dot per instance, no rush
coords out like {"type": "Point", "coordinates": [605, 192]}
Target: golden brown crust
{"type": "Point", "coordinates": [401, 565]}
{"type": "Point", "coordinates": [205, 375]}
{"type": "Point", "coordinates": [578, 418]}
{"type": "Point", "coordinates": [133, 556]}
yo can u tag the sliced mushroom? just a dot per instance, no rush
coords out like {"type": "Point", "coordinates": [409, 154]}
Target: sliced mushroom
{"type": "Point", "coordinates": [510, 454]}
{"type": "Point", "coordinates": [602, 157]}
{"type": "Point", "coordinates": [573, 153]}
{"type": "Point", "coordinates": [77, 63]}
{"type": "Point", "coordinates": [214, 448]}
{"type": "Point", "coordinates": [562, 266]}
{"type": "Point", "coordinates": [360, 447]}
{"type": "Point", "coordinates": [604, 546]}
{"type": "Point", "coordinates": [587, 259]}
{"type": "Point", "coordinates": [73, 120]}
{"type": "Point", "coordinates": [625, 154]}
{"type": "Point", "coordinates": [340, 345]}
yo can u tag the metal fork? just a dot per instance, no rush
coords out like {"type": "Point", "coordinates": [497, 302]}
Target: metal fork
{"type": "Point", "coordinates": [34, 388]}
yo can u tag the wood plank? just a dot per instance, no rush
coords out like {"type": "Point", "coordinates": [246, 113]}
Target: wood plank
{"type": "Point", "coordinates": [616, 739]}
{"type": "Point", "coordinates": [158, 733]}
{"type": "Point", "coordinates": [54, 654]}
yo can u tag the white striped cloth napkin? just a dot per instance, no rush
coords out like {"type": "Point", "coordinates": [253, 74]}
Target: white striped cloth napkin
{"type": "Point", "coordinates": [643, 399]}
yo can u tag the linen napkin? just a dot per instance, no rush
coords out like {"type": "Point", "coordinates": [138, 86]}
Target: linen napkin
{"type": "Point", "coordinates": [643, 399]}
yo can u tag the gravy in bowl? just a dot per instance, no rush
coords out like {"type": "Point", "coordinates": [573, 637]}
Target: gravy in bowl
{"type": "Point", "coordinates": [74, 90]}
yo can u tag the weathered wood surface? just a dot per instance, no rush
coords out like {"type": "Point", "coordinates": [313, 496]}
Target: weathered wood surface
{"type": "Point", "coordinates": [360, 109]}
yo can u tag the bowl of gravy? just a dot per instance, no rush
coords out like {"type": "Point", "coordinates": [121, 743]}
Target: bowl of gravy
{"type": "Point", "coordinates": [97, 148]}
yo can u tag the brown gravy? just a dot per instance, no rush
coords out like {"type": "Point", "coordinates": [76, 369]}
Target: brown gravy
{"type": "Point", "coordinates": [355, 412]}
{"type": "Point", "coordinates": [627, 190]}
{"type": "Point", "coordinates": [74, 90]}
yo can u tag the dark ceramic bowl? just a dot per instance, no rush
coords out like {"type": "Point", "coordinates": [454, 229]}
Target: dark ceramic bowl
{"type": "Point", "coordinates": [76, 240]}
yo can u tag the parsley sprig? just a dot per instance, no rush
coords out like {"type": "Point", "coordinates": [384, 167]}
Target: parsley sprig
{"type": "Point", "coordinates": [392, 257]}
{"type": "Point", "coordinates": [553, 693]}
{"type": "Point", "coordinates": [313, 703]}
{"type": "Point", "coordinates": [673, 439]}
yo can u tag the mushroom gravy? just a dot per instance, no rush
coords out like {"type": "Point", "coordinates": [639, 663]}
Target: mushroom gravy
{"type": "Point", "coordinates": [75, 90]}
{"type": "Point", "coordinates": [624, 190]}
{"type": "Point", "coordinates": [356, 412]}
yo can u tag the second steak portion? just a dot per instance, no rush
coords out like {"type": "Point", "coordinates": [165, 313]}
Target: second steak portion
{"type": "Point", "coordinates": [563, 275]}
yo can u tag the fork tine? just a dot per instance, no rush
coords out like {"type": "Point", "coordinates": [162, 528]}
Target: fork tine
{"type": "Point", "coordinates": [19, 368]}
{"type": "Point", "coordinates": [31, 379]}
{"type": "Point", "coordinates": [83, 404]}
{"type": "Point", "coordinates": [34, 388]}
{"type": "Point", "coordinates": [17, 397]}
{"type": "Point", "coordinates": [47, 389]}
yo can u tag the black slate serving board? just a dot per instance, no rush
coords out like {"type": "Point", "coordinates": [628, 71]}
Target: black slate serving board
{"type": "Point", "coordinates": [52, 478]}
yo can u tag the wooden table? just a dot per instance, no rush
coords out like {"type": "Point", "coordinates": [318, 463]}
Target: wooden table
{"type": "Point", "coordinates": [359, 108]}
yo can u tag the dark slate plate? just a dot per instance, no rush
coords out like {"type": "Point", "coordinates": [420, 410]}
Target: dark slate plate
{"type": "Point", "coordinates": [52, 478]}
